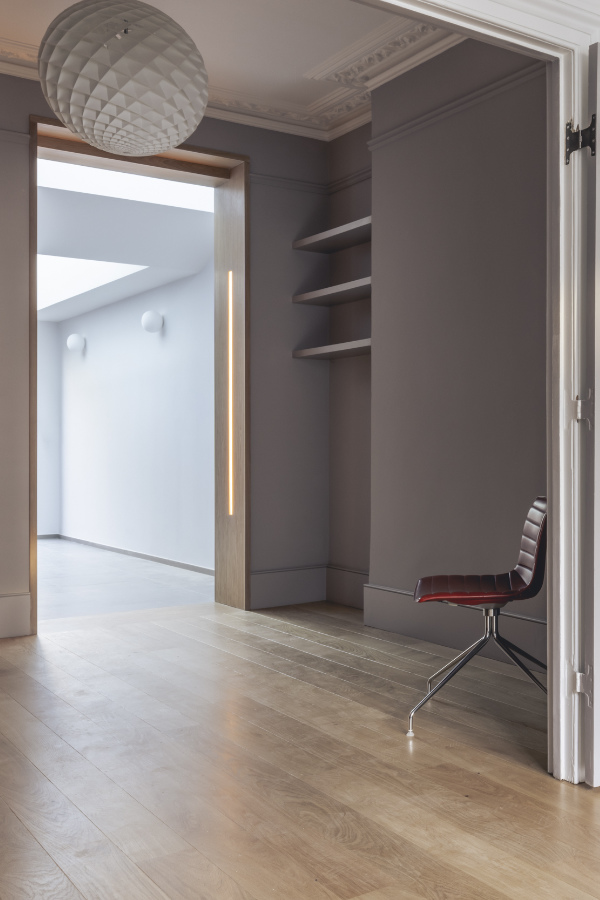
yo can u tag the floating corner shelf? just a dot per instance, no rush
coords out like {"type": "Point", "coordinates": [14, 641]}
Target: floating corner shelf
{"type": "Point", "coordinates": [341, 238]}
{"type": "Point", "coordinates": [360, 289]}
{"type": "Point", "coordinates": [336, 351]}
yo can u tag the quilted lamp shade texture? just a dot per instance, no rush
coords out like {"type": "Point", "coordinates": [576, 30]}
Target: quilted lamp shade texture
{"type": "Point", "coordinates": [123, 76]}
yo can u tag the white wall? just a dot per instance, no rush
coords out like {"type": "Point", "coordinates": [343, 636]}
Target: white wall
{"type": "Point", "coordinates": [170, 243]}
{"type": "Point", "coordinates": [138, 424]}
{"type": "Point", "coordinates": [49, 499]}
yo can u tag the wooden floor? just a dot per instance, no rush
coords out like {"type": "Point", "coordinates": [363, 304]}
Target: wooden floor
{"type": "Point", "coordinates": [204, 752]}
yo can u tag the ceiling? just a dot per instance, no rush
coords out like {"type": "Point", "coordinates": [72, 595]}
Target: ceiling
{"type": "Point", "coordinates": [304, 68]}
{"type": "Point", "coordinates": [169, 242]}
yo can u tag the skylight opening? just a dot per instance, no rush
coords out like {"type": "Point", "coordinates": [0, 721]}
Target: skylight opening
{"type": "Point", "coordinates": [123, 185]}
{"type": "Point", "coordinates": [62, 277]}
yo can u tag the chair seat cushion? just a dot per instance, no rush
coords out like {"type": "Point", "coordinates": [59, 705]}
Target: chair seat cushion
{"type": "Point", "coordinates": [471, 590]}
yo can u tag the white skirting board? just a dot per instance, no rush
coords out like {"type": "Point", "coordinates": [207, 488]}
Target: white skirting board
{"type": "Point", "coordinates": [286, 587]}
{"type": "Point", "coordinates": [15, 611]}
{"type": "Point", "coordinates": [449, 626]}
{"type": "Point", "coordinates": [159, 559]}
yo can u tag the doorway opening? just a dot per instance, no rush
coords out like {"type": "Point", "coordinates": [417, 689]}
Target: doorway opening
{"type": "Point", "coordinates": [125, 297]}
{"type": "Point", "coordinates": [426, 476]}
{"type": "Point", "coordinates": [138, 378]}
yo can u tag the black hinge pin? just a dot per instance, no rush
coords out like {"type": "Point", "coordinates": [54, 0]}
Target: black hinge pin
{"type": "Point", "coordinates": [577, 140]}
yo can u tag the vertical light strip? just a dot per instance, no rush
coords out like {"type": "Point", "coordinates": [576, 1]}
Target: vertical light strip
{"type": "Point", "coordinates": [230, 364]}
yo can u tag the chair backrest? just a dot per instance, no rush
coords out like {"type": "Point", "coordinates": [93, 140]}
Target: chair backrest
{"type": "Point", "coordinates": [532, 556]}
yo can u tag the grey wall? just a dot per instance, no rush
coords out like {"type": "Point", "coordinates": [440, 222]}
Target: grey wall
{"type": "Point", "coordinates": [459, 333]}
{"type": "Point", "coordinates": [14, 383]}
{"type": "Point", "coordinates": [289, 404]}
{"type": "Point", "coordinates": [290, 401]}
{"type": "Point", "coordinates": [350, 381]}
{"type": "Point", "coordinates": [49, 444]}
{"type": "Point", "coordinates": [458, 263]}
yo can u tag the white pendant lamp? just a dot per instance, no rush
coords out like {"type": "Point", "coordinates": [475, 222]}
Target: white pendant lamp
{"type": "Point", "coordinates": [124, 76]}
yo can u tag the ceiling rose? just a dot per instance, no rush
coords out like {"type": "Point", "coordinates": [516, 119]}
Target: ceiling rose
{"type": "Point", "coordinates": [124, 76]}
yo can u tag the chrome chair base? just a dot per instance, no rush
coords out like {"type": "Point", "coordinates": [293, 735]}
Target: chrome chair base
{"type": "Point", "coordinates": [455, 665]}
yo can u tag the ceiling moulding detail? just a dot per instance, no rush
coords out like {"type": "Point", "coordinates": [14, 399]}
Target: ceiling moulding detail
{"type": "Point", "coordinates": [241, 103]}
{"type": "Point", "coordinates": [240, 118]}
{"type": "Point", "coordinates": [444, 41]}
{"type": "Point", "coordinates": [18, 59]}
{"type": "Point", "coordinates": [352, 106]}
{"type": "Point", "coordinates": [333, 98]}
{"type": "Point", "coordinates": [340, 112]}
{"type": "Point", "coordinates": [376, 58]}
{"type": "Point", "coordinates": [380, 56]}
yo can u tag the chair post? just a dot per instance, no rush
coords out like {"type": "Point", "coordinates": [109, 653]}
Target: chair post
{"type": "Point", "coordinates": [491, 615]}
{"type": "Point", "coordinates": [460, 661]}
{"type": "Point", "coordinates": [511, 651]}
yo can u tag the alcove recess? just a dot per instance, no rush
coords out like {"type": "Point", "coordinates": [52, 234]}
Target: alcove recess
{"type": "Point", "coordinates": [339, 242]}
{"type": "Point", "coordinates": [348, 299]}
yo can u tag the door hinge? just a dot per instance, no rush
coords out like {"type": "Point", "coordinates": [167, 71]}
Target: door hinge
{"type": "Point", "coordinates": [584, 409]}
{"type": "Point", "coordinates": [577, 140]}
{"type": "Point", "coordinates": [584, 684]}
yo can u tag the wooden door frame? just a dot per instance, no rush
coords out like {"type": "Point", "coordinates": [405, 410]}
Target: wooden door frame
{"type": "Point", "coordinates": [228, 174]}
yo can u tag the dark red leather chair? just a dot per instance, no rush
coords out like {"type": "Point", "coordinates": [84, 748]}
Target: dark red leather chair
{"type": "Point", "coordinates": [490, 593]}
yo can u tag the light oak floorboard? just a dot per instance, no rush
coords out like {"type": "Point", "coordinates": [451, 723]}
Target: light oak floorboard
{"type": "Point", "coordinates": [208, 752]}
{"type": "Point", "coordinates": [368, 675]}
{"type": "Point", "coordinates": [26, 870]}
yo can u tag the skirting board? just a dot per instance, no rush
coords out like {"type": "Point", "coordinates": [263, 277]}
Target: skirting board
{"type": "Point", "coordinates": [15, 615]}
{"type": "Point", "coordinates": [446, 625]}
{"type": "Point", "coordinates": [158, 559]}
{"type": "Point", "coordinates": [287, 587]}
{"type": "Point", "coordinates": [345, 586]}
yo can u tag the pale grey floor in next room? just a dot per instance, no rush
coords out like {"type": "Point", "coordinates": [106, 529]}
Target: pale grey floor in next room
{"type": "Point", "coordinates": [77, 580]}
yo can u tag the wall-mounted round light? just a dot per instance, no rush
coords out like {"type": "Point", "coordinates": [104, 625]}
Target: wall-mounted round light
{"type": "Point", "coordinates": [152, 321]}
{"type": "Point", "coordinates": [76, 342]}
{"type": "Point", "coordinates": [124, 76]}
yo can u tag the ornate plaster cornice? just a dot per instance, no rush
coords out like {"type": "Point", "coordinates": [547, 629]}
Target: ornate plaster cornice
{"type": "Point", "coordinates": [15, 51]}
{"type": "Point", "coordinates": [379, 55]}
{"type": "Point", "coordinates": [320, 117]}
{"type": "Point", "coordinates": [354, 67]}
{"type": "Point", "coordinates": [349, 106]}
{"type": "Point", "coordinates": [18, 59]}
{"type": "Point", "coordinates": [221, 99]}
